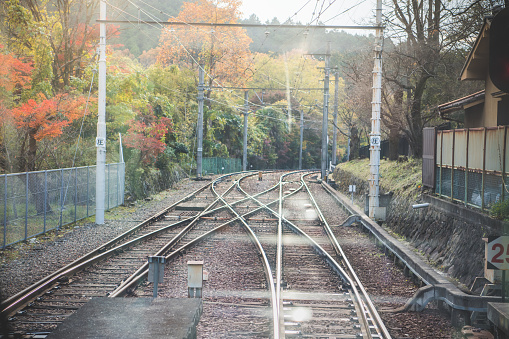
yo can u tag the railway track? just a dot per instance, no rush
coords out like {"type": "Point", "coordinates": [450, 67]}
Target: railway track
{"type": "Point", "coordinates": [274, 268]}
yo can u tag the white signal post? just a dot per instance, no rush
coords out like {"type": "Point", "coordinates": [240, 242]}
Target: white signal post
{"type": "Point", "coordinates": [374, 148]}
{"type": "Point", "coordinates": [100, 181]}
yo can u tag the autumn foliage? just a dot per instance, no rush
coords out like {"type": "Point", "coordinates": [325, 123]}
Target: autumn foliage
{"type": "Point", "coordinates": [223, 50]}
{"type": "Point", "coordinates": [14, 72]}
{"type": "Point", "coordinates": [149, 137]}
{"type": "Point", "coordinates": [46, 118]}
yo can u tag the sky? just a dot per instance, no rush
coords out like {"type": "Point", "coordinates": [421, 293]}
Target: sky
{"type": "Point", "coordinates": [346, 12]}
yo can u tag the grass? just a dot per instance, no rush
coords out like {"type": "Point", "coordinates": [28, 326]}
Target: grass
{"type": "Point", "coordinates": [404, 178]}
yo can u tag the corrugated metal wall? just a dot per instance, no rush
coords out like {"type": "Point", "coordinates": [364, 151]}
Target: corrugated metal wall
{"type": "Point", "coordinates": [428, 157]}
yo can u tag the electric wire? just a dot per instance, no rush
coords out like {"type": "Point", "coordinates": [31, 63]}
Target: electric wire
{"type": "Point", "coordinates": [124, 13]}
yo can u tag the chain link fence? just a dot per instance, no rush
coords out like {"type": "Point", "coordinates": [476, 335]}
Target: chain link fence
{"type": "Point", "coordinates": [221, 165]}
{"type": "Point", "coordinates": [33, 203]}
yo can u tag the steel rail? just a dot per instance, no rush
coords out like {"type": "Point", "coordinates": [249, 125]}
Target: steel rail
{"type": "Point", "coordinates": [266, 265]}
{"type": "Point", "coordinates": [18, 301]}
{"type": "Point", "coordinates": [279, 242]}
{"type": "Point", "coordinates": [334, 265]}
{"type": "Point", "coordinates": [21, 299]}
{"type": "Point", "coordinates": [164, 249]}
{"type": "Point", "coordinates": [380, 326]}
{"type": "Point", "coordinates": [141, 273]}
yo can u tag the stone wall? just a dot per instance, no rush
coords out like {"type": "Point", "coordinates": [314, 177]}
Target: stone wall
{"type": "Point", "coordinates": [447, 234]}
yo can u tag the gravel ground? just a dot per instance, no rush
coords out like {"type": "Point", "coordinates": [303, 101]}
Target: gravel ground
{"type": "Point", "coordinates": [385, 282]}
{"type": "Point", "coordinates": [27, 262]}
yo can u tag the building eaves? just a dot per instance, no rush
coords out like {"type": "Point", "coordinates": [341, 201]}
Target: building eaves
{"type": "Point", "coordinates": [460, 103]}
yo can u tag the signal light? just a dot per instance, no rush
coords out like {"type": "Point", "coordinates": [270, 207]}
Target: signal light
{"type": "Point", "coordinates": [499, 50]}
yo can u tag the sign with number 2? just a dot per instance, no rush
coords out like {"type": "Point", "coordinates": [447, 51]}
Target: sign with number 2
{"type": "Point", "coordinates": [498, 253]}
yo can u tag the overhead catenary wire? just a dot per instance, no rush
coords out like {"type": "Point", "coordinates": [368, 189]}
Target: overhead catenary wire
{"type": "Point", "coordinates": [287, 121]}
{"type": "Point", "coordinates": [195, 26]}
{"type": "Point", "coordinates": [124, 14]}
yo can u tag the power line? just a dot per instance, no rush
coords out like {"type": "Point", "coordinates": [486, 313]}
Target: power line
{"type": "Point", "coordinates": [212, 25]}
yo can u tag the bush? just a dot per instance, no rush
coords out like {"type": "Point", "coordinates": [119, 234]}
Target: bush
{"type": "Point", "coordinates": [500, 210]}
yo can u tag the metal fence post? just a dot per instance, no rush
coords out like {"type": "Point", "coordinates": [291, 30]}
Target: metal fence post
{"type": "Point", "coordinates": [452, 165]}
{"type": "Point", "coordinates": [61, 196]}
{"type": "Point", "coordinates": [5, 210]}
{"type": "Point", "coordinates": [75, 192]}
{"type": "Point", "coordinates": [441, 162]}
{"type": "Point", "coordinates": [483, 169]}
{"type": "Point", "coordinates": [45, 197]}
{"type": "Point", "coordinates": [88, 188]}
{"type": "Point", "coordinates": [466, 168]}
{"type": "Point", "coordinates": [123, 183]}
{"type": "Point", "coordinates": [26, 206]}
{"type": "Point", "coordinates": [108, 168]}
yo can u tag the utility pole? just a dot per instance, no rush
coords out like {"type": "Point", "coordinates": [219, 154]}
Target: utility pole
{"type": "Point", "coordinates": [201, 75]}
{"type": "Point", "coordinates": [325, 114]}
{"type": "Point", "coordinates": [246, 112]}
{"type": "Point", "coordinates": [335, 130]}
{"type": "Point", "coordinates": [301, 137]}
{"type": "Point", "coordinates": [100, 141]}
{"type": "Point", "coordinates": [374, 149]}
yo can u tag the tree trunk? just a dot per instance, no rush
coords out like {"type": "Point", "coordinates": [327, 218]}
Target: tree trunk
{"type": "Point", "coordinates": [393, 143]}
{"type": "Point", "coordinates": [354, 143]}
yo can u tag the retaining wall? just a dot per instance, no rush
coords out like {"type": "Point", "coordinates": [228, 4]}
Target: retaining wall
{"type": "Point", "coordinates": [449, 235]}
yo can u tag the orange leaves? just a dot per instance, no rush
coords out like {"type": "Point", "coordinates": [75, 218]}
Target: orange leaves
{"type": "Point", "coordinates": [14, 72]}
{"type": "Point", "coordinates": [223, 50]}
{"type": "Point", "coordinates": [47, 117]}
{"type": "Point", "coordinates": [149, 138]}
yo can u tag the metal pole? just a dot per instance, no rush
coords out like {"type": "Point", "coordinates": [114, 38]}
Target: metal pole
{"type": "Point", "coordinates": [5, 210]}
{"type": "Point", "coordinates": [325, 114]}
{"type": "Point", "coordinates": [101, 122]}
{"type": "Point", "coordinates": [335, 130]}
{"type": "Point", "coordinates": [61, 197]}
{"type": "Point", "coordinates": [246, 112]}
{"type": "Point", "coordinates": [156, 278]}
{"type": "Point", "coordinates": [503, 286]}
{"type": "Point", "coordinates": [121, 150]}
{"type": "Point", "coordinates": [374, 149]}
{"type": "Point", "coordinates": [301, 137]}
{"type": "Point", "coordinates": [88, 190]}
{"type": "Point", "coordinates": [26, 207]}
{"type": "Point", "coordinates": [109, 183]}
{"type": "Point", "coordinates": [75, 192]}
{"type": "Point", "coordinates": [201, 99]}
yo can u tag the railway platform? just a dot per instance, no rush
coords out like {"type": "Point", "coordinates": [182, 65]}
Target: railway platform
{"type": "Point", "coordinates": [498, 315]}
{"type": "Point", "coordinates": [132, 318]}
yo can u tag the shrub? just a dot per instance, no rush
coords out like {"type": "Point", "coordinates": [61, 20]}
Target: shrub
{"type": "Point", "coordinates": [500, 210]}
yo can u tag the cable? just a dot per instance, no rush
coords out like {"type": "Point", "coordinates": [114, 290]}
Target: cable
{"type": "Point", "coordinates": [124, 13]}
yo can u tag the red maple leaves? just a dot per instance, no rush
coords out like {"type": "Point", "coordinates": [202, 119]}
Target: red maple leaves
{"type": "Point", "coordinates": [149, 137]}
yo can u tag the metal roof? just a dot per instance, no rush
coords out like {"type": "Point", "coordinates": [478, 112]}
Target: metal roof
{"type": "Point", "coordinates": [460, 103]}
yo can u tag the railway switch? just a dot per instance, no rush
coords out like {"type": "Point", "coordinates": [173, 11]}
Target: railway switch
{"type": "Point", "coordinates": [195, 278]}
